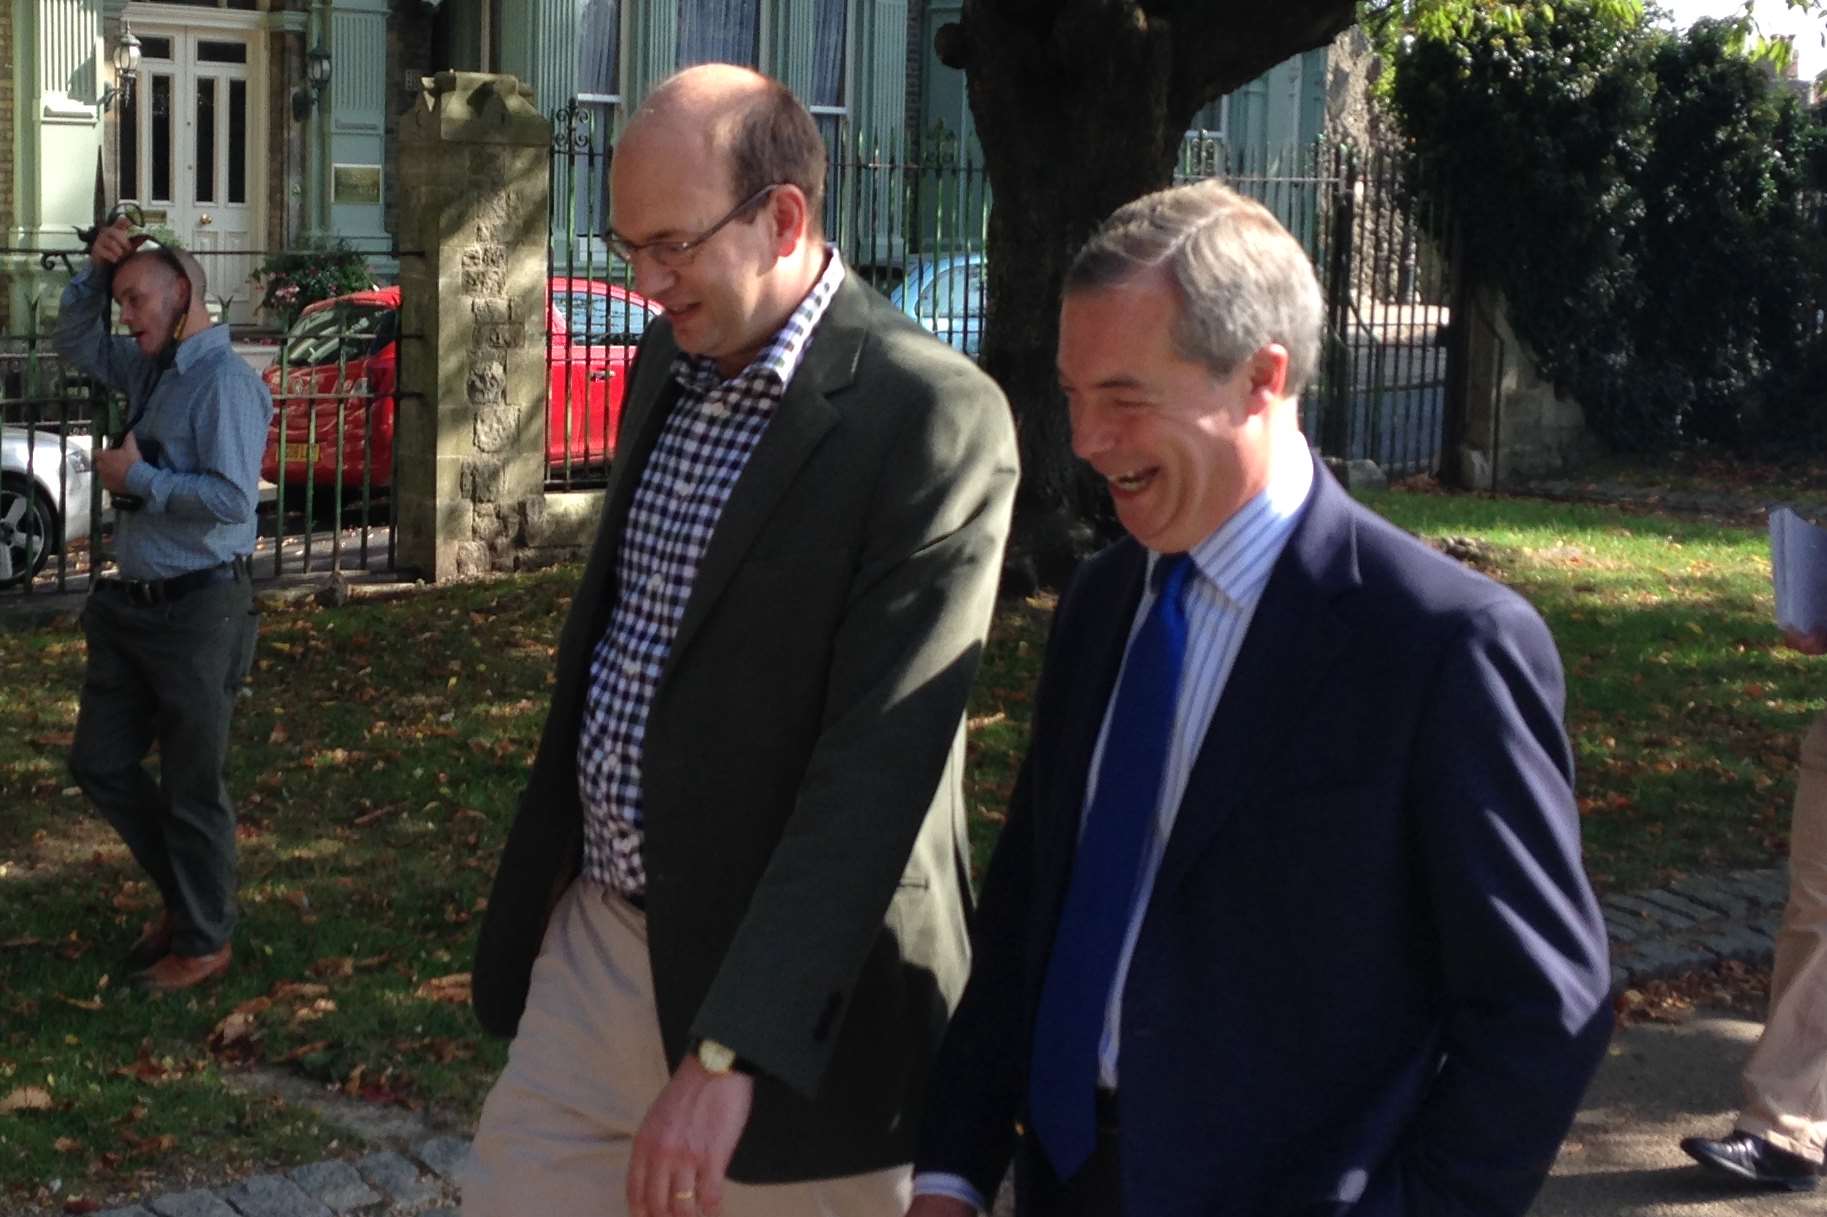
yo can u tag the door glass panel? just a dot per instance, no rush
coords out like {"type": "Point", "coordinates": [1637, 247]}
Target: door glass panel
{"type": "Point", "coordinates": [237, 141]}
{"type": "Point", "coordinates": [154, 47]}
{"type": "Point", "coordinates": [161, 139]}
{"type": "Point", "coordinates": [719, 31]}
{"type": "Point", "coordinates": [206, 139]}
{"type": "Point", "coordinates": [221, 52]}
{"type": "Point", "coordinates": [130, 148]}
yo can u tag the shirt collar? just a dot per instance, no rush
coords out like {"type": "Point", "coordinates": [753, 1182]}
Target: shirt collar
{"type": "Point", "coordinates": [197, 346]}
{"type": "Point", "coordinates": [781, 358]}
{"type": "Point", "coordinates": [1239, 555]}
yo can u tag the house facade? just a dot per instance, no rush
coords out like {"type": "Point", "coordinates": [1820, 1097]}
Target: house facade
{"type": "Point", "coordinates": [223, 140]}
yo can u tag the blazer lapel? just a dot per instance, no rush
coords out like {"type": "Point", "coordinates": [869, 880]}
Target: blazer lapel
{"type": "Point", "coordinates": [1294, 639]}
{"type": "Point", "coordinates": [801, 419]}
{"type": "Point", "coordinates": [1082, 718]}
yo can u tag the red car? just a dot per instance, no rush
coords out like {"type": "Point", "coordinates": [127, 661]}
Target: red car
{"type": "Point", "coordinates": [341, 358]}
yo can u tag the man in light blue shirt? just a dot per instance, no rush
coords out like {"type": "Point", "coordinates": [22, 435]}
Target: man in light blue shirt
{"type": "Point", "coordinates": [171, 636]}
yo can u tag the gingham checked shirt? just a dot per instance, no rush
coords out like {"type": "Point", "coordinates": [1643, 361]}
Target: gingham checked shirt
{"type": "Point", "coordinates": [707, 441]}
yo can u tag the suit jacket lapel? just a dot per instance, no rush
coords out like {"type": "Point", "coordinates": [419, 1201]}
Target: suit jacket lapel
{"type": "Point", "coordinates": [1107, 627]}
{"type": "Point", "coordinates": [800, 422]}
{"type": "Point", "coordinates": [1294, 639]}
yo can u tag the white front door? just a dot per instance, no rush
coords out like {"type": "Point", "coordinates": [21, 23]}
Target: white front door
{"type": "Point", "coordinates": [188, 153]}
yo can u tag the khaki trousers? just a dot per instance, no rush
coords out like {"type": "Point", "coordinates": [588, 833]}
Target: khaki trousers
{"type": "Point", "coordinates": [1786, 1080]}
{"type": "Point", "coordinates": [585, 1065]}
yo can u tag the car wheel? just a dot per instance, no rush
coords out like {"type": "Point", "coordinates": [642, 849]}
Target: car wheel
{"type": "Point", "coordinates": [27, 526]}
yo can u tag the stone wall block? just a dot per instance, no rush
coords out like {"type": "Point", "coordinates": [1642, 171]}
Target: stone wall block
{"type": "Point", "coordinates": [480, 480]}
{"type": "Point", "coordinates": [487, 382]}
{"type": "Point", "coordinates": [486, 523]}
{"type": "Point", "coordinates": [484, 281]}
{"type": "Point", "coordinates": [494, 310]}
{"type": "Point", "coordinates": [472, 559]}
{"type": "Point", "coordinates": [496, 428]}
{"type": "Point", "coordinates": [501, 337]}
{"type": "Point", "coordinates": [488, 256]}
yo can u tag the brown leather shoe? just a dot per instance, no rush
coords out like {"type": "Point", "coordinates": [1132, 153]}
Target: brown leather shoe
{"type": "Point", "coordinates": [175, 972]}
{"type": "Point", "coordinates": [153, 944]}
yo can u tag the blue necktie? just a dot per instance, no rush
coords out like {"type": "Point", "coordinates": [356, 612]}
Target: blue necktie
{"type": "Point", "coordinates": [1062, 1085]}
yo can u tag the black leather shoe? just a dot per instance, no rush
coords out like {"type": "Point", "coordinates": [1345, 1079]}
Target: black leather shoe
{"type": "Point", "coordinates": [1749, 1157]}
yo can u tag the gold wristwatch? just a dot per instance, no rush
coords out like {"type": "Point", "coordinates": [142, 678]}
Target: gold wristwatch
{"type": "Point", "coordinates": [716, 1058]}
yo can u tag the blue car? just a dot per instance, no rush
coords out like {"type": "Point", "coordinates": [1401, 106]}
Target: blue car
{"type": "Point", "coordinates": [944, 293]}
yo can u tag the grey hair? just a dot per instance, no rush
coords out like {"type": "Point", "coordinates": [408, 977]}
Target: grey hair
{"type": "Point", "coordinates": [1243, 280]}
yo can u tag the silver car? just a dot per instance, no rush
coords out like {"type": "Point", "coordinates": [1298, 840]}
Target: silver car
{"type": "Point", "coordinates": [45, 492]}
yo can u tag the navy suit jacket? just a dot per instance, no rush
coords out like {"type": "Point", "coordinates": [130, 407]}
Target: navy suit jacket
{"type": "Point", "coordinates": [1372, 978]}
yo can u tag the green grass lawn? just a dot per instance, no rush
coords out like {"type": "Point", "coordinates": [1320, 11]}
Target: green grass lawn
{"type": "Point", "coordinates": [379, 757]}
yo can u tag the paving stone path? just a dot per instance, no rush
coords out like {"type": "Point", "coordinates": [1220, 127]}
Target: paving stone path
{"type": "Point", "coordinates": [381, 1184]}
{"type": "Point", "coordinates": [1694, 923]}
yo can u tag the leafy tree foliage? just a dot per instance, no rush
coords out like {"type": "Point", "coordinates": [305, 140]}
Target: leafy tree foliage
{"type": "Point", "coordinates": [1648, 204]}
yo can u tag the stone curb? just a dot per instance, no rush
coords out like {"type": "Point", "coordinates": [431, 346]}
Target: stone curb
{"type": "Point", "coordinates": [380, 1184]}
{"type": "Point", "coordinates": [1694, 923]}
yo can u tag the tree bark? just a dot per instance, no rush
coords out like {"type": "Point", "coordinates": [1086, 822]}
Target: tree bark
{"type": "Point", "coordinates": [1081, 106]}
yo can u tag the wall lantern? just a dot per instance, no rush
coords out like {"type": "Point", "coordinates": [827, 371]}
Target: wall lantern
{"type": "Point", "coordinates": [126, 66]}
{"type": "Point", "coordinates": [317, 74]}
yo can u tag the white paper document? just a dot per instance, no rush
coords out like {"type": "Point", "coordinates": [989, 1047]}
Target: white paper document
{"type": "Point", "coordinates": [1798, 567]}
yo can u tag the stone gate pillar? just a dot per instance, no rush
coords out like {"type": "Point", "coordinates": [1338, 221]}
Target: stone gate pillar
{"type": "Point", "coordinates": [474, 165]}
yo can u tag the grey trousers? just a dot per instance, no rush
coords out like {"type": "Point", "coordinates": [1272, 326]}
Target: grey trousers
{"type": "Point", "coordinates": [168, 673]}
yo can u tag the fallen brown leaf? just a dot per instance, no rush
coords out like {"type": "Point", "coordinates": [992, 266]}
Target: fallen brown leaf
{"type": "Point", "coordinates": [26, 1098]}
{"type": "Point", "coordinates": [304, 1050]}
{"type": "Point", "coordinates": [453, 988]}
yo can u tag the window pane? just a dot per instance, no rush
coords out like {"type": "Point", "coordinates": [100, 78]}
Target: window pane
{"type": "Point", "coordinates": [237, 141]}
{"type": "Point", "coordinates": [155, 48]}
{"type": "Point", "coordinates": [221, 52]}
{"type": "Point", "coordinates": [595, 319]}
{"type": "Point", "coordinates": [828, 29]}
{"type": "Point", "coordinates": [206, 140]}
{"type": "Point", "coordinates": [599, 58]}
{"type": "Point", "coordinates": [130, 147]}
{"type": "Point", "coordinates": [161, 139]}
{"type": "Point", "coordinates": [338, 334]}
{"type": "Point", "coordinates": [719, 31]}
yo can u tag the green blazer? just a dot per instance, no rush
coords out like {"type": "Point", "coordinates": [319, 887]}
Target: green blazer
{"type": "Point", "coordinates": [806, 853]}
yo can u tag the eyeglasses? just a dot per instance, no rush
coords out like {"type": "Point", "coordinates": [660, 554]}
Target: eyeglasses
{"type": "Point", "coordinates": [674, 254]}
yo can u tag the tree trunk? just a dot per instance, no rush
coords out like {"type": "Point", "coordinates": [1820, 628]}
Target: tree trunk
{"type": "Point", "coordinates": [1081, 106]}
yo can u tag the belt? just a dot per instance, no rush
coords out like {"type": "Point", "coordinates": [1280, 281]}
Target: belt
{"type": "Point", "coordinates": [151, 592]}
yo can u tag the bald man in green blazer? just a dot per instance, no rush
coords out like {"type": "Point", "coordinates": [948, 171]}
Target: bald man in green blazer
{"type": "Point", "coordinates": [748, 792]}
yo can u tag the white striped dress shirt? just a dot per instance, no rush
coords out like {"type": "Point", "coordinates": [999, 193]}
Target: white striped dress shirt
{"type": "Point", "coordinates": [1230, 569]}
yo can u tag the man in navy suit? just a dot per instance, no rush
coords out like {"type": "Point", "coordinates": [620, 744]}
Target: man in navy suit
{"type": "Point", "coordinates": [1288, 916]}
